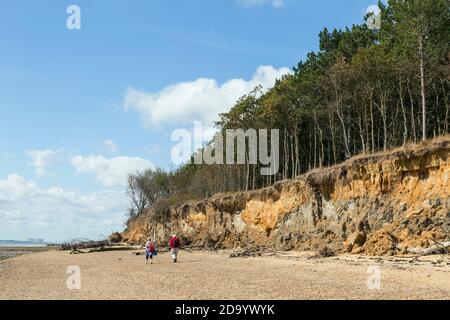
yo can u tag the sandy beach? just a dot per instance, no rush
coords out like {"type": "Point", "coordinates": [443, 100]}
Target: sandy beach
{"type": "Point", "coordinates": [204, 275]}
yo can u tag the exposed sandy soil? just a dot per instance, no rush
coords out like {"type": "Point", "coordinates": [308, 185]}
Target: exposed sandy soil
{"type": "Point", "coordinates": [203, 275]}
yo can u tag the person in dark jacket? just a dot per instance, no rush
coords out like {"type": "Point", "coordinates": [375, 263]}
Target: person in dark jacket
{"type": "Point", "coordinates": [174, 244]}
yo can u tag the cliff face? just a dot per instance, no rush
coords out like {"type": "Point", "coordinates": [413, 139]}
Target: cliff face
{"type": "Point", "coordinates": [376, 205]}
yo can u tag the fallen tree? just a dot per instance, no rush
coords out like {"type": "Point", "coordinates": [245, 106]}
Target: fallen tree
{"type": "Point", "coordinates": [104, 249]}
{"type": "Point", "coordinates": [84, 244]}
{"type": "Point", "coordinates": [438, 247]}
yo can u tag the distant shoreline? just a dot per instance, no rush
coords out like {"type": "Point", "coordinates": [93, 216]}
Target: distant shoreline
{"type": "Point", "coordinates": [23, 243]}
{"type": "Point", "coordinates": [20, 245]}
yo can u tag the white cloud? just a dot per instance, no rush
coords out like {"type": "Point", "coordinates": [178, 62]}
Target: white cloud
{"type": "Point", "coordinates": [43, 160]}
{"type": "Point", "coordinates": [111, 146]}
{"type": "Point", "coordinates": [27, 210]}
{"type": "Point", "coordinates": [199, 100]}
{"type": "Point", "coordinates": [257, 3]}
{"type": "Point", "coordinates": [15, 187]}
{"type": "Point", "coordinates": [111, 172]}
{"type": "Point", "coordinates": [278, 3]}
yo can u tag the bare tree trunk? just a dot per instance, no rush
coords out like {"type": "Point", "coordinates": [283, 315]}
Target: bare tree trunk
{"type": "Point", "coordinates": [286, 159]}
{"type": "Point", "coordinates": [321, 155]}
{"type": "Point", "coordinates": [322, 148]}
{"type": "Point", "coordinates": [344, 131]}
{"type": "Point", "coordinates": [372, 122]}
{"type": "Point", "coordinates": [422, 89]}
{"type": "Point", "coordinates": [413, 121]}
{"type": "Point", "coordinates": [405, 121]}
{"type": "Point", "coordinates": [310, 151]}
{"type": "Point", "coordinates": [315, 147]}
{"type": "Point", "coordinates": [247, 177]}
{"type": "Point", "coordinates": [254, 178]}
{"type": "Point", "coordinates": [382, 109]}
{"type": "Point", "coordinates": [361, 135]}
{"type": "Point", "coordinates": [385, 142]}
{"type": "Point", "coordinates": [437, 111]}
{"type": "Point", "coordinates": [341, 119]}
{"type": "Point", "coordinates": [333, 141]}
{"type": "Point", "coordinates": [297, 153]}
{"type": "Point", "coordinates": [447, 108]}
{"type": "Point", "coordinates": [292, 155]}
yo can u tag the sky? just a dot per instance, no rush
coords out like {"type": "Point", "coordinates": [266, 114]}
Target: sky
{"type": "Point", "coordinates": [80, 109]}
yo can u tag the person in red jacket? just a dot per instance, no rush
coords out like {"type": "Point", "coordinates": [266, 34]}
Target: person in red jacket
{"type": "Point", "coordinates": [174, 244]}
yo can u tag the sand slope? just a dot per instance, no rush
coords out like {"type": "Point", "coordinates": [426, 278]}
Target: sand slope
{"type": "Point", "coordinates": [201, 275]}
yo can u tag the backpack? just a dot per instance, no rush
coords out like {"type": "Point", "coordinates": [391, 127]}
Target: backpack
{"type": "Point", "coordinates": [151, 246]}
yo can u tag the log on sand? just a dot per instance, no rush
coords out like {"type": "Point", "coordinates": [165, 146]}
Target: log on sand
{"type": "Point", "coordinates": [427, 251]}
{"type": "Point", "coordinates": [104, 249]}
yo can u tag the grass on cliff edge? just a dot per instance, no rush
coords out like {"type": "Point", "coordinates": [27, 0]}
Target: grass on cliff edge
{"type": "Point", "coordinates": [409, 147]}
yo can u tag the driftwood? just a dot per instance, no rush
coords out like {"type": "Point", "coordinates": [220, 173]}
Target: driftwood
{"type": "Point", "coordinates": [104, 249]}
{"type": "Point", "coordinates": [113, 248]}
{"type": "Point", "coordinates": [76, 251]}
{"type": "Point", "coordinates": [193, 247]}
{"type": "Point", "coordinates": [251, 252]}
{"type": "Point", "coordinates": [78, 244]}
{"type": "Point", "coordinates": [190, 249]}
{"type": "Point", "coordinates": [438, 247]}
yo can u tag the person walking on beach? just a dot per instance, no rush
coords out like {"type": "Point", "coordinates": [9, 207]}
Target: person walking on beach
{"type": "Point", "coordinates": [150, 251]}
{"type": "Point", "coordinates": [174, 244]}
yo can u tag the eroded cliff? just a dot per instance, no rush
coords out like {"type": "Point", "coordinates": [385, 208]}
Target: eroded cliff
{"type": "Point", "coordinates": [378, 205]}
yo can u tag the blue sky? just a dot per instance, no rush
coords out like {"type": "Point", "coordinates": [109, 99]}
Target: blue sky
{"type": "Point", "coordinates": [79, 109]}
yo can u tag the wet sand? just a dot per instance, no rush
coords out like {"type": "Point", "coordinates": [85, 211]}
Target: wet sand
{"type": "Point", "coordinates": [11, 252]}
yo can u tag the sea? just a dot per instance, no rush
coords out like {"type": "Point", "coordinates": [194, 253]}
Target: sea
{"type": "Point", "coordinates": [26, 244]}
